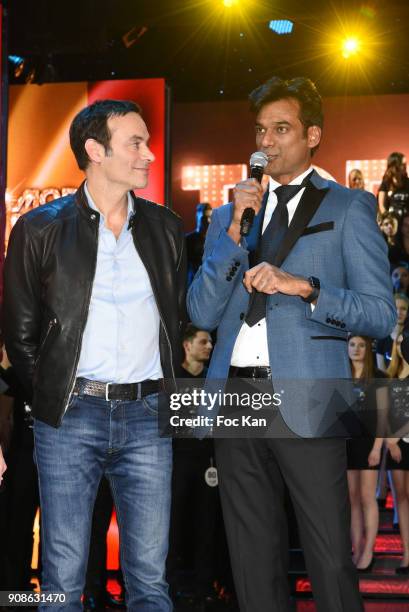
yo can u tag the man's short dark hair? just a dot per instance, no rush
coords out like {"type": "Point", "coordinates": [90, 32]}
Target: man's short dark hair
{"type": "Point", "coordinates": [92, 122]}
{"type": "Point", "coordinates": [301, 89]}
{"type": "Point", "coordinates": [190, 332]}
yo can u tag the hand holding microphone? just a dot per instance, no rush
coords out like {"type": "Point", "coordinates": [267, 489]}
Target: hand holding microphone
{"type": "Point", "coordinates": [258, 161]}
{"type": "Point", "coordinates": [247, 198]}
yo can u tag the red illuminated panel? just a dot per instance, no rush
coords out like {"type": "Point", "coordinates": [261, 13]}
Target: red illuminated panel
{"type": "Point", "coordinates": [150, 95]}
{"type": "Point", "coordinates": [384, 586]}
{"type": "Point", "coordinates": [113, 544]}
{"type": "Point", "coordinates": [213, 181]}
{"type": "Point", "coordinates": [40, 164]}
{"type": "Point", "coordinates": [390, 542]}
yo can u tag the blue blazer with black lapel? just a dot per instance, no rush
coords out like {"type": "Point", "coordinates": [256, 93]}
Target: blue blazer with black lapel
{"type": "Point", "coordinates": [333, 236]}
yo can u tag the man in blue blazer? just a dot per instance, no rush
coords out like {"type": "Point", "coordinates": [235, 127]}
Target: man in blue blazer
{"type": "Point", "coordinates": [313, 268]}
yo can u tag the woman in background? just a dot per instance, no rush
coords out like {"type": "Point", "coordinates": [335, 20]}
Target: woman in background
{"type": "Point", "coordinates": [364, 454]}
{"type": "Point", "coordinates": [398, 461]}
{"type": "Point", "coordinates": [399, 253]}
{"type": "Point", "coordinates": [384, 346]}
{"type": "Point", "coordinates": [356, 179]}
{"type": "Point", "coordinates": [388, 224]}
{"type": "Point", "coordinates": [393, 192]}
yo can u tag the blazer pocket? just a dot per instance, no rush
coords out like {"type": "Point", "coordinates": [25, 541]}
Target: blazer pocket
{"type": "Point", "coordinates": [342, 338]}
{"type": "Point", "coordinates": [320, 227]}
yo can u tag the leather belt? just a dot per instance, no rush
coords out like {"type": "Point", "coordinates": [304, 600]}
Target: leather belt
{"type": "Point", "coordinates": [250, 372]}
{"type": "Point", "coordinates": [113, 391]}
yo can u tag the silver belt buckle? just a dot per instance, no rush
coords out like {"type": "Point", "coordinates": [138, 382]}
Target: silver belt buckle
{"type": "Point", "coordinates": [107, 391]}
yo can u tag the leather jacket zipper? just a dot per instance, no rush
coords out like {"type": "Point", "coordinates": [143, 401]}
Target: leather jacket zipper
{"type": "Point", "coordinates": [51, 324]}
{"type": "Point", "coordinates": [167, 338]}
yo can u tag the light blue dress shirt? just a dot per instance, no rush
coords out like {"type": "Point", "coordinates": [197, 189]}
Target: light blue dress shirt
{"type": "Point", "coordinates": [121, 337]}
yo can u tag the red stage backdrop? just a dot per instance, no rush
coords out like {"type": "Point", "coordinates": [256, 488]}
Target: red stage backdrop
{"type": "Point", "coordinates": [40, 165]}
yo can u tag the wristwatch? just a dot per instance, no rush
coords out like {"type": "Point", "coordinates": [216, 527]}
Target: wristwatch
{"type": "Point", "coordinates": [315, 289]}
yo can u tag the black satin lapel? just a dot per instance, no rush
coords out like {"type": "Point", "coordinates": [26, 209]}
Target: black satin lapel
{"type": "Point", "coordinates": [254, 238]}
{"type": "Point", "coordinates": [307, 207]}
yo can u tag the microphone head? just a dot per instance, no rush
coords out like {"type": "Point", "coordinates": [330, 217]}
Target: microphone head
{"type": "Point", "coordinates": [259, 160]}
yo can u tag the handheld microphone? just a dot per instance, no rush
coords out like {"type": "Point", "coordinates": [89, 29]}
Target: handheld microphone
{"type": "Point", "coordinates": [258, 161]}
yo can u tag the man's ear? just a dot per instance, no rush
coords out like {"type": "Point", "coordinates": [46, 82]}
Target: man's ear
{"type": "Point", "coordinates": [185, 345]}
{"type": "Point", "coordinates": [95, 150]}
{"type": "Point", "coordinates": [313, 136]}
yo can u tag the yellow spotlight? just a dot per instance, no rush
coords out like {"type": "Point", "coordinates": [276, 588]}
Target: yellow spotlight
{"type": "Point", "coordinates": [350, 46]}
{"type": "Point", "coordinates": [229, 3]}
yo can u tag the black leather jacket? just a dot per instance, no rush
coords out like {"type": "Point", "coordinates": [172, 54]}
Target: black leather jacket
{"type": "Point", "coordinates": [48, 277]}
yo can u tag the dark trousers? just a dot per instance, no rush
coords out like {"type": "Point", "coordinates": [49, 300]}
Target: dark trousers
{"type": "Point", "coordinates": [22, 503]}
{"type": "Point", "coordinates": [252, 474]}
{"type": "Point", "coordinates": [194, 514]}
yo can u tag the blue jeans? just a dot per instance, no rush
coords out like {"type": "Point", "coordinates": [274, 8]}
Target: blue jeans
{"type": "Point", "coordinates": [119, 439]}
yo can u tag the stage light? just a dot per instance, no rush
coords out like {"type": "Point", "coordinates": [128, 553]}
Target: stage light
{"type": "Point", "coordinates": [350, 46]}
{"type": "Point", "coordinates": [230, 3]}
{"type": "Point", "coordinates": [281, 26]}
{"type": "Point", "coordinates": [18, 64]}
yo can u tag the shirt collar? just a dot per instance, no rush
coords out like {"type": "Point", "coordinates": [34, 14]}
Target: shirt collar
{"type": "Point", "coordinates": [296, 181]}
{"type": "Point", "coordinates": [92, 205]}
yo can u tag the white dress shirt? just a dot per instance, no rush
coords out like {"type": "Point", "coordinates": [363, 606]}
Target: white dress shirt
{"type": "Point", "coordinates": [121, 337]}
{"type": "Point", "coordinates": [251, 348]}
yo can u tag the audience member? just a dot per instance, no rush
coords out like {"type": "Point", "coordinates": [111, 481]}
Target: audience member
{"type": "Point", "coordinates": [364, 454]}
{"type": "Point", "coordinates": [384, 346]}
{"type": "Point", "coordinates": [356, 179]}
{"type": "Point", "coordinates": [400, 278]}
{"type": "Point", "coordinates": [400, 251]}
{"type": "Point", "coordinates": [389, 225]}
{"type": "Point", "coordinates": [393, 192]}
{"type": "Point", "coordinates": [22, 498]}
{"type": "Point", "coordinates": [398, 446]}
{"type": "Point", "coordinates": [4, 426]}
{"type": "Point", "coordinates": [195, 502]}
{"type": "Point", "coordinates": [197, 345]}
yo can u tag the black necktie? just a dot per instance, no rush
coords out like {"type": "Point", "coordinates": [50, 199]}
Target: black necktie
{"type": "Point", "coordinates": [270, 242]}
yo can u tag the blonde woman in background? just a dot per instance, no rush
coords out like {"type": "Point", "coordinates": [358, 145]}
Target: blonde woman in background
{"type": "Point", "coordinates": [356, 179]}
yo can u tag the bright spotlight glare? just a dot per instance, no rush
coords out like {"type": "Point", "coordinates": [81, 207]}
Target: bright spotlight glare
{"type": "Point", "coordinates": [229, 3]}
{"type": "Point", "coordinates": [350, 46]}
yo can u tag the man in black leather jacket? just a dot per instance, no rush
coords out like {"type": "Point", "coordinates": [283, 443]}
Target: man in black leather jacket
{"type": "Point", "coordinates": [93, 311]}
